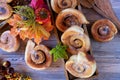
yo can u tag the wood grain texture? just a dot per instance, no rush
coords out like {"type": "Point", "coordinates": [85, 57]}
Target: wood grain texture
{"type": "Point", "coordinates": [54, 72]}
{"type": "Point", "coordinates": [107, 55]}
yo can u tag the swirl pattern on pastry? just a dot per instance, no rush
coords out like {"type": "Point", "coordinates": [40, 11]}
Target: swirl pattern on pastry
{"type": "Point", "coordinates": [37, 57]}
{"type": "Point", "coordinates": [9, 42]}
{"type": "Point", "coordinates": [103, 30]}
{"type": "Point", "coordinates": [76, 40]}
{"type": "Point", "coordinates": [5, 11]}
{"type": "Point", "coordinates": [81, 65]}
{"type": "Point", "coordinates": [59, 5]}
{"type": "Point", "coordinates": [69, 17]}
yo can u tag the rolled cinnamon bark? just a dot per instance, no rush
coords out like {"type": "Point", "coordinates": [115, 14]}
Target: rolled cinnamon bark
{"type": "Point", "coordinates": [5, 11]}
{"type": "Point", "coordinates": [81, 65]}
{"type": "Point", "coordinates": [9, 42]}
{"type": "Point", "coordinates": [69, 17]}
{"type": "Point", "coordinates": [85, 3]}
{"type": "Point", "coordinates": [103, 30]}
{"type": "Point", "coordinates": [76, 40]}
{"type": "Point", "coordinates": [59, 5]}
{"type": "Point", "coordinates": [37, 57]}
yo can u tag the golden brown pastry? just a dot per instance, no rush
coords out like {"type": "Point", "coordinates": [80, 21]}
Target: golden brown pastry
{"type": "Point", "coordinates": [69, 17]}
{"type": "Point", "coordinates": [103, 30]}
{"type": "Point", "coordinates": [81, 65]}
{"type": "Point", "coordinates": [59, 5]}
{"type": "Point", "coordinates": [6, 1]}
{"type": "Point", "coordinates": [37, 57]}
{"type": "Point", "coordinates": [76, 40]}
{"type": "Point", "coordinates": [9, 42]}
{"type": "Point", "coordinates": [5, 11]}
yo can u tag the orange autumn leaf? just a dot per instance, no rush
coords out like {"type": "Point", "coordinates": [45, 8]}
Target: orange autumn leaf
{"type": "Point", "coordinates": [48, 26]}
{"type": "Point", "coordinates": [25, 24]}
{"type": "Point", "coordinates": [14, 20]}
{"type": "Point", "coordinates": [14, 32]}
{"type": "Point", "coordinates": [36, 31]}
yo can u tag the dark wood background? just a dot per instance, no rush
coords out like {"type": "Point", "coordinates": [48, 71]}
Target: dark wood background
{"type": "Point", "coordinates": [107, 56]}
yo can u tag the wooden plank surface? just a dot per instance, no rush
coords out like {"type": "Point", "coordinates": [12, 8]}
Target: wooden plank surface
{"type": "Point", "coordinates": [54, 72]}
{"type": "Point", "coordinates": [107, 56]}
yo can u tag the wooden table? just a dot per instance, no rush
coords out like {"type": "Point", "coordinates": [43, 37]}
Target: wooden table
{"type": "Point", "coordinates": [107, 56]}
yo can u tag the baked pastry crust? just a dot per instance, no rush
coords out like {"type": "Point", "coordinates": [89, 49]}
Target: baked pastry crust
{"type": "Point", "coordinates": [37, 64]}
{"type": "Point", "coordinates": [81, 65]}
{"type": "Point", "coordinates": [8, 42]}
{"type": "Point", "coordinates": [9, 1]}
{"type": "Point", "coordinates": [103, 30]}
{"type": "Point", "coordinates": [6, 1]}
{"type": "Point", "coordinates": [6, 11]}
{"type": "Point", "coordinates": [69, 17]}
{"type": "Point", "coordinates": [59, 5]}
{"type": "Point", "coordinates": [76, 40]}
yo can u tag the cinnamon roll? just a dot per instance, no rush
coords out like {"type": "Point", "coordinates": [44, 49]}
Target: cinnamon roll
{"type": "Point", "coordinates": [6, 1]}
{"type": "Point", "coordinates": [5, 11]}
{"type": "Point", "coordinates": [9, 42]}
{"type": "Point", "coordinates": [37, 57]}
{"type": "Point", "coordinates": [81, 65]}
{"type": "Point", "coordinates": [59, 5]}
{"type": "Point", "coordinates": [76, 40]}
{"type": "Point", "coordinates": [103, 30]}
{"type": "Point", "coordinates": [69, 17]}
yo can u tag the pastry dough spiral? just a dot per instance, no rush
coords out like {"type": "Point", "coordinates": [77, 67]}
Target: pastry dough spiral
{"type": "Point", "coordinates": [59, 5]}
{"type": "Point", "coordinates": [37, 57]}
{"type": "Point", "coordinates": [9, 42]}
{"type": "Point", "coordinates": [76, 40]}
{"type": "Point", "coordinates": [103, 30]}
{"type": "Point", "coordinates": [81, 65]}
{"type": "Point", "coordinates": [69, 17]}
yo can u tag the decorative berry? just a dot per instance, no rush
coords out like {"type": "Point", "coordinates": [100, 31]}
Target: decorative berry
{"type": "Point", "coordinates": [4, 78]}
{"type": "Point", "coordinates": [42, 15]}
{"type": "Point", "coordinates": [6, 64]}
{"type": "Point", "coordinates": [10, 70]}
{"type": "Point", "coordinates": [2, 68]}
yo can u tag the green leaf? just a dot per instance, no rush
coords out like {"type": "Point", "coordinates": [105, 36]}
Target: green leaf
{"type": "Point", "coordinates": [26, 12]}
{"type": "Point", "coordinates": [59, 52]}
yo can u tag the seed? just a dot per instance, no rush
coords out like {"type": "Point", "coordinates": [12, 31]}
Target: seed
{"type": "Point", "coordinates": [10, 70]}
{"type": "Point", "coordinates": [4, 78]}
{"type": "Point", "coordinates": [6, 64]}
